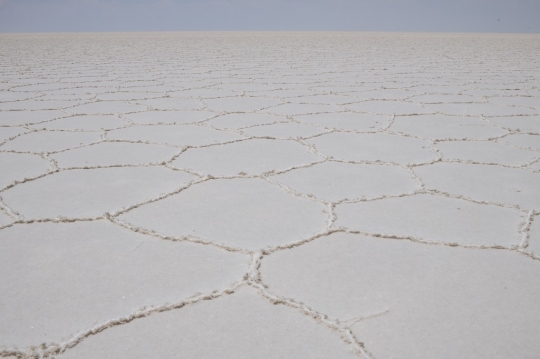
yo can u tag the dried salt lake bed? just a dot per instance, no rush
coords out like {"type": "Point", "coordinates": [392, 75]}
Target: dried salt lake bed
{"type": "Point", "coordinates": [269, 195]}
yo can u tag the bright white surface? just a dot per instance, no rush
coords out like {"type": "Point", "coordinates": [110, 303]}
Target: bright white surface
{"type": "Point", "coordinates": [103, 272]}
{"type": "Point", "coordinates": [269, 195]}
{"type": "Point", "coordinates": [430, 294]}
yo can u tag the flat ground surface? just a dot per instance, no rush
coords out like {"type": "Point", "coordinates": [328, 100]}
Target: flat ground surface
{"type": "Point", "coordinates": [269, 195]}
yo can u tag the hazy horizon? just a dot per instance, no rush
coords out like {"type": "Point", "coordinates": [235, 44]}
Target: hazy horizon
{"type": "Point", "coordinates": [483, 16]}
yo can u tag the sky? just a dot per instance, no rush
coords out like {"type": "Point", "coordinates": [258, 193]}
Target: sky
{"type": "Point", "coordinates": [515, 16]}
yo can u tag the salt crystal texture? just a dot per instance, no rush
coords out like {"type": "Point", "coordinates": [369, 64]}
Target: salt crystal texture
{"type": "Point", "coordinates": [269, 195]}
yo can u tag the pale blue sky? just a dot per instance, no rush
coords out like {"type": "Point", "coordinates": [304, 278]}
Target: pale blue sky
{"type": "Point", "coordinates": [363, 15]}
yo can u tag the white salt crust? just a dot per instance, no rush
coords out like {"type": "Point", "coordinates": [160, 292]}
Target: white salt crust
{"type": "Point", "coordinates": [240, 195]}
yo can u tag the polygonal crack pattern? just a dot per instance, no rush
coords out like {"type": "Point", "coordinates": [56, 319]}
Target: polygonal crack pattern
{"type": "Point", "coordinates": [87, 193]}
{"type": "Point", "coordinates": [380, 286]}
{"type": "Point", "coordinates": [103, 271]}
{"type": "Point", "coordinates": [249, 157]}
{"type": "Point", "coordinates": [242, 324]}
{"type": "Point", "coordinates": [269, 195]}
{"type": "Point", "coordinates": [234, 207]}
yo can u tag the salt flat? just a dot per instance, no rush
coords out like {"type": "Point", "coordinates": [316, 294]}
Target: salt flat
{"type": "Point", "coordinates": [269, 195]}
